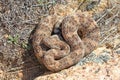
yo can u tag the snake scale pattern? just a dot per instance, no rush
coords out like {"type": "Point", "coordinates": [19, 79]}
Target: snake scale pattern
{"type": "Point", "coordinates": [81, 36]}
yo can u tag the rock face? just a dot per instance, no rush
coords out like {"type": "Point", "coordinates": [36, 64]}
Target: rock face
{"type": "Point", "coordinates": [109, 70]}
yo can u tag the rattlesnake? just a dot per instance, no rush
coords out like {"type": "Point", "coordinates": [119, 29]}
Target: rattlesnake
{"type": "Point", "coordinates": [80, 34]}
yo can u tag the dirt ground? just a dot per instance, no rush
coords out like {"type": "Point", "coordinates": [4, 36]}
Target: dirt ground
{"type": "Point", "coordinates": [18, 18]}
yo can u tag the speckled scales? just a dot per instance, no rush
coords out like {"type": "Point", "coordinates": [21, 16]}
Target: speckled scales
{"type": "Point", "coordinates": [81, 36]}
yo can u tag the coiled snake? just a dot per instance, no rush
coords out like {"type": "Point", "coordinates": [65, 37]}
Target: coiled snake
{"type": "Point", "coordinates": [80, 34]}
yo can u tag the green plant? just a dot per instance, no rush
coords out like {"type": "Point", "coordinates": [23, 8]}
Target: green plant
{"type": "Point", "coordinates": [43, 2]}
{"type": "Point", "coordinates": [13, 39]}
{"type": "Point", "coordinates": [26, 45]}
{"type": "Point", "coordinates": [40, 1]}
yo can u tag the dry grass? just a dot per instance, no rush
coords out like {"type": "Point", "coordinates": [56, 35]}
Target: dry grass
{"type": "Point", "coordinates": [21, 16]}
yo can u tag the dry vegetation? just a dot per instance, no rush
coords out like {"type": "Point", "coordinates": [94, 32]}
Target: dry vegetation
{"type": "Point", "coordinates": [19, 17]}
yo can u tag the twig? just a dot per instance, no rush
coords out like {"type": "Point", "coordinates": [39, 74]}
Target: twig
{"type": "Point", "coordinates": [116, 37]}
{"type": "Point", "coordinates": [107, 37]}
{"type": "Point", "coordinates": [40, 5]}
{"type": "Point", "coordinates": [33, 67]}
{"type": "Point", "coordinates": [108, 30]}
{"type": "Point", "coordinates": [107, 11]}
{"type": "Point", "coordinates": [15, 69]}
{"type": "Point", "coordinates": [111, 18]}
{"type": "Point", "coordinates": [79, 5]}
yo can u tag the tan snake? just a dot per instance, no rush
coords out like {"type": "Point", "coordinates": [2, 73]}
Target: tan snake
{"type": "Point", "coordinates": [81, 36]}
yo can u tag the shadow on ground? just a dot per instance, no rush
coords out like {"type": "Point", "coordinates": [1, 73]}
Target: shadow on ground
{"type": "Point", "coordinates": [31, 67]}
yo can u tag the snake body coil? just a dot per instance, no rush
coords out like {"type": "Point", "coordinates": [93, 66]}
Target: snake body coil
{"type": "Point", "coordinates": [81, 36]}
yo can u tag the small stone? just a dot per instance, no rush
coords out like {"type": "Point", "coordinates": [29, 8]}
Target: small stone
{"type": "Point", "coordinates": [1, 73]}
{"type": "Point", "coordinates": [118, 51]}
{"type": "Point", "coordinates": [6, 35]}
{"type": "Point", "coordinates": [20, 74]}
